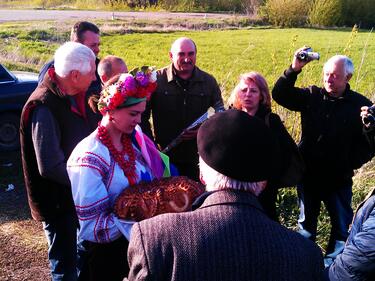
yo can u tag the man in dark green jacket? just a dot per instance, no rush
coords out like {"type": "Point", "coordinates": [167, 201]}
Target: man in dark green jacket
{"type": "Point", "coordinates": [183, 94]}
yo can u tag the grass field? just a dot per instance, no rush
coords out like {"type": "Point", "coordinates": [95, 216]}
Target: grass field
{"type": "Point", "coordinates": [225, 53]}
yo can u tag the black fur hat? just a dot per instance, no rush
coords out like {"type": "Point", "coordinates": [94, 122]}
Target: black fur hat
{"type": "Point", "coordinates": [238, 146]}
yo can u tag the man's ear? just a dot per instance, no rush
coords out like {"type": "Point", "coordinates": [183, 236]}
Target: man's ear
{"type": "Point", "coordinates": [170, 56]}
{"type": "Point", "coordinates": [74, 76]}
{"type": "Point", "coordinates": [104, 78]}
{"type": "Point", "coordinates": [348, 77]}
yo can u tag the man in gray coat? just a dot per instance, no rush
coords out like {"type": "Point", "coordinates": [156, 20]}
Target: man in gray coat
{"type": "Point", "coordinates": [228, 236]}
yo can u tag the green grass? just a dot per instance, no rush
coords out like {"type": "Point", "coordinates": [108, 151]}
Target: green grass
{"type": "Point", "coordinates": [225, 54]}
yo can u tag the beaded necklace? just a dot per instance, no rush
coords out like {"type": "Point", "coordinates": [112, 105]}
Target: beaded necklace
{"type": "Point", "coordinates": [127, 165]}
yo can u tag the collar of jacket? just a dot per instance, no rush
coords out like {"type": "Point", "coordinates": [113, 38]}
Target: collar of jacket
{"type": "Point", "coordinates": [197, 74]}
{"type": "Point", "coordinates": [52, 86]}
{"type": "Point", "coordinates": [54, 89]}
{"type": "Point", "coordinates": [345, 96]}
{"type": "Point", "coordinates": [226, 197]}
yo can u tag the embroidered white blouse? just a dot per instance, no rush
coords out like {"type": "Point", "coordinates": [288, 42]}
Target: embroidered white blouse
{"type": "Point", "coordinates": [96, 181]}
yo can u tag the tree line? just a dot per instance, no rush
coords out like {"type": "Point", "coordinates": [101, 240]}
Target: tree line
{"type": "Point", "coordinates": [286, 13]}
{"type": "Point", "coordinates": [280, 12]}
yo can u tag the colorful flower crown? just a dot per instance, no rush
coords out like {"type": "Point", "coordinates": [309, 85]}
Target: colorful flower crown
{"type": "Point", "coordinates": [131, 88]}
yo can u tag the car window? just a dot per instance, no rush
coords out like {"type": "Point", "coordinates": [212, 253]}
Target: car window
{"type": "Point", "coordinates": [5, 76]}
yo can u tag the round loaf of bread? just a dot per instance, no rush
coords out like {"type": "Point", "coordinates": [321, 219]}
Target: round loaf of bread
{"type": "Point", "coordinates": [148, 199]}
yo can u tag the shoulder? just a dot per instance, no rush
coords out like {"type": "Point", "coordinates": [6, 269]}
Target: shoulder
{"type": "Point", "coordinates": [275, 122]}
{"type": "Point", "coordinates": [300, 244]}
{"type": "Point", "coordinates": [274, 117]}
{"type": "Point", "coordinates": [163, 71]}
{"type": "Point", "coordinates": [359, 98]}
{"type": "Point", "coordinates": [41, 113]}
{"type": "Point", "coordinates": [47, 66]}
{"type": "Point", "coordinates": [89, 149]}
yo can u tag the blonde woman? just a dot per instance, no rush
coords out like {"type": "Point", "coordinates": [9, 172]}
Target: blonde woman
{"type": "Point", "coordinates": [251, 95]}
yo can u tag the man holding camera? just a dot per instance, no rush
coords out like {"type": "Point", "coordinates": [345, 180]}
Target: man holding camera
{"type": "Point", "coordinates": [332, 143]}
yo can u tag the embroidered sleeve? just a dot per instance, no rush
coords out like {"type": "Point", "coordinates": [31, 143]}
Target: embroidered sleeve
{"type": "Point", "coordinates": [90, 176]}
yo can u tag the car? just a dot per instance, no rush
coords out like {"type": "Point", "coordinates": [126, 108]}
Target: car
{"type": "Point", "coordinates": [15, 89]}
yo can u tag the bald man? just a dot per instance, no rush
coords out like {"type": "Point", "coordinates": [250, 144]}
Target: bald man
{"type": "Point", "coordinates": [184, 93]}
{"type": "Point", "coordinates": [110, 66]}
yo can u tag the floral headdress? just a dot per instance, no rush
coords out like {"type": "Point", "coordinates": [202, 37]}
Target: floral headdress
{"type": "Point", "coordinates": [131, 88]}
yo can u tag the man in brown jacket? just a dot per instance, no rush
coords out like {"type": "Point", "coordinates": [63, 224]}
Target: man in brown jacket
{"type": "Point", "coordinates": [228, 237]}
{"type": "Point", "coordinates": [183, 94]}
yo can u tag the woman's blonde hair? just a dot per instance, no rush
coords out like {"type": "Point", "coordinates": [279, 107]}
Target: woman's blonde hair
{"type": "Point", "coordinates": [235, 102]}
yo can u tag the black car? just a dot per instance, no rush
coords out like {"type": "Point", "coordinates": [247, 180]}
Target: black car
{"type": "Point", "coordinates": [15, 89]}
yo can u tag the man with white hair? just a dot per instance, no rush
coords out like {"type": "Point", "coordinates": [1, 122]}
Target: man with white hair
{"type": "Point", "coordinates": [54, 119]}
{"type": "Point", "coordinates": [228, 236]}
{"type": "Point", "coordinates": [332, 144]}
{"type": "Point", "coordinates": [183, 94]}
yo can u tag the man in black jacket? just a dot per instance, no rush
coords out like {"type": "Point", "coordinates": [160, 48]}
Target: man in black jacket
{"type": "Point", "coordinates": [332, 143]}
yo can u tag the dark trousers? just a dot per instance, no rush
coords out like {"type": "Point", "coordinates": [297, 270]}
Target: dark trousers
{"type": "Point", "coordinates": [103, 261]}
{"type": "Point", "coordinates": [61, 233]}
{"type": "Point", "coordinates": [337, 198]}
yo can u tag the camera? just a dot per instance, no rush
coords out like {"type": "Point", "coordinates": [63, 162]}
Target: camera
{"type": "Point", "coordinates": [308, 55]}
{"type": "Point", "coordinates": [369, 120]}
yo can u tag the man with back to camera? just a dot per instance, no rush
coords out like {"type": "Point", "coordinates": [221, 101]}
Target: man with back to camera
{"type": "Point", "coordinates": [332, 144]}
{"type": "Point", "coordinates": [52, 124]}
{"type": "Point", "coordinates": [184, 93]}
{"type": "Point", "coordinates": [110, 66]}
{"type": "Point", "coordinates": [88, 34]}
{"type": "Point", "coordinates": [228, 236]}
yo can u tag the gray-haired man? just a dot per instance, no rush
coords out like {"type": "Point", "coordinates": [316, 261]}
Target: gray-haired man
{"type": "Point", "coordinates": [55, 118]}
{"type": "Point", "coordinates": [332, 143]}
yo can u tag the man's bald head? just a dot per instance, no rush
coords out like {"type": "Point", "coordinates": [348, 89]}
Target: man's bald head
{"type": "Point", "coordinates": [110, 66]}
{"type": "Point", "coordinates": [182, 41]}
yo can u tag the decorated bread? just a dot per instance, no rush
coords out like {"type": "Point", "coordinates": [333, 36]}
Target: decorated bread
{"type": "Point", "coordinates": [148, 199]}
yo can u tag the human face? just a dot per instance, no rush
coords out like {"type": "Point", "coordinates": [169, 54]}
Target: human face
{"type": "Point", "coordinates": [84, 80]}
{"type": "Point", "coordinates": [250, 96]}
{"type": "Point", "coordinates": [183, 56]}
{"type": "Point", "coordinates": [125, 119]}
{"type": "Point", "coordinates": [91, 40]}
{"type": "Point", "coordinates": [335, 79]}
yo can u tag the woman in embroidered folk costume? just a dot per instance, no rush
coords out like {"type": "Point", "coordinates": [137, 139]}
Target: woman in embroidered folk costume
{"type": "Point", "coordinates": [252, 95]}
{"type": "Point", "coordinates": [116, 155]}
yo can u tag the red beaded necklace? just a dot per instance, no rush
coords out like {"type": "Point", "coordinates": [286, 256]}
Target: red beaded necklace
{"type": "Point", "coordinates": [128, 166]}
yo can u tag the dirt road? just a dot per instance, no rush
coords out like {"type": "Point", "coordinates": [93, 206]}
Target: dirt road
{"type": "Point", "coordinates": [29, 15]}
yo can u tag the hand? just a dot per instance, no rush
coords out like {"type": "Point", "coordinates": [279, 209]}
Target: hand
{"type": "Point", "coordinates": [367, 118]}
{"type": "Point", "coordinates": [190, 134]}
{"type": "Point", "coordinates": [298, 64]}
